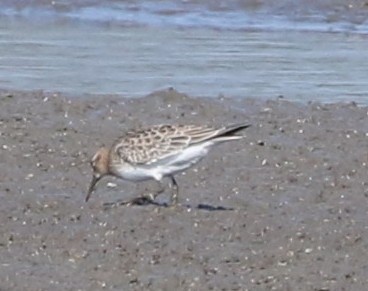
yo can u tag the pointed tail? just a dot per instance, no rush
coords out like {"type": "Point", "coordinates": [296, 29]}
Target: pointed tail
{"type": "Point", "coordinates": [227, 133]}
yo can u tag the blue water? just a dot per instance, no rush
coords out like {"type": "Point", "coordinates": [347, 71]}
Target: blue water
{"type": "Point", "coordinates": [234, 48]}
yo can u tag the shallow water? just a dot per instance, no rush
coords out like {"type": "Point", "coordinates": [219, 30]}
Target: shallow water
{"type": "Point", "coordinates": [67, 51]}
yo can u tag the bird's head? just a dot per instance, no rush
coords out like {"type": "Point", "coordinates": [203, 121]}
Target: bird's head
{"type": "Point", "coordinates": [100, 166]}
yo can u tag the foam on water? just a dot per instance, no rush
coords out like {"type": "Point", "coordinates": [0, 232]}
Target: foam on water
{"type": "Point", "coordinates": [321, 15]}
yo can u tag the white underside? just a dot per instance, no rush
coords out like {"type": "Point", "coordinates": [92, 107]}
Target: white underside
{"type": "Point", "coordinates": [165, 167]}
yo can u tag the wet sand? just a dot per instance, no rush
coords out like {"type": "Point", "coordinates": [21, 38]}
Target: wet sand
{"type": "Point", "coordinates": [283, 209]}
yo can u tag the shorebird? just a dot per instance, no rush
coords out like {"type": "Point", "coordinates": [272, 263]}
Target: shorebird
{"type": "Point", "coordinates": [157, 152]}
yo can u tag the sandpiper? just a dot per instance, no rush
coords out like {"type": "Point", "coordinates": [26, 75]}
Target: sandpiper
{"type": "Point", "coordinates": [157, 152]}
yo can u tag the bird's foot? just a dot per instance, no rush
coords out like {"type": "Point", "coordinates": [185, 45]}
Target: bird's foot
{"type": "Point", "coordinates": [140, 201]}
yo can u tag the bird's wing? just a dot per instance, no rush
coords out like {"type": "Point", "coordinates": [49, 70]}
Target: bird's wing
{"type": "Point", "coordinates": [159, 142]}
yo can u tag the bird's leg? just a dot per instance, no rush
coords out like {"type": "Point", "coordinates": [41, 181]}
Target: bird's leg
{"type": "Point", "coordinates": [175, 191]}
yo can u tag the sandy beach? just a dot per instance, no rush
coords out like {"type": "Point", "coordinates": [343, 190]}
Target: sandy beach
{"type": "Point", "coordinates": [285, 208]}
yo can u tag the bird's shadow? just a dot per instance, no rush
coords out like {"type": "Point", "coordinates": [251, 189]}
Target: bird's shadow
{"type": "Point", "coordinates": [142, 201]}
